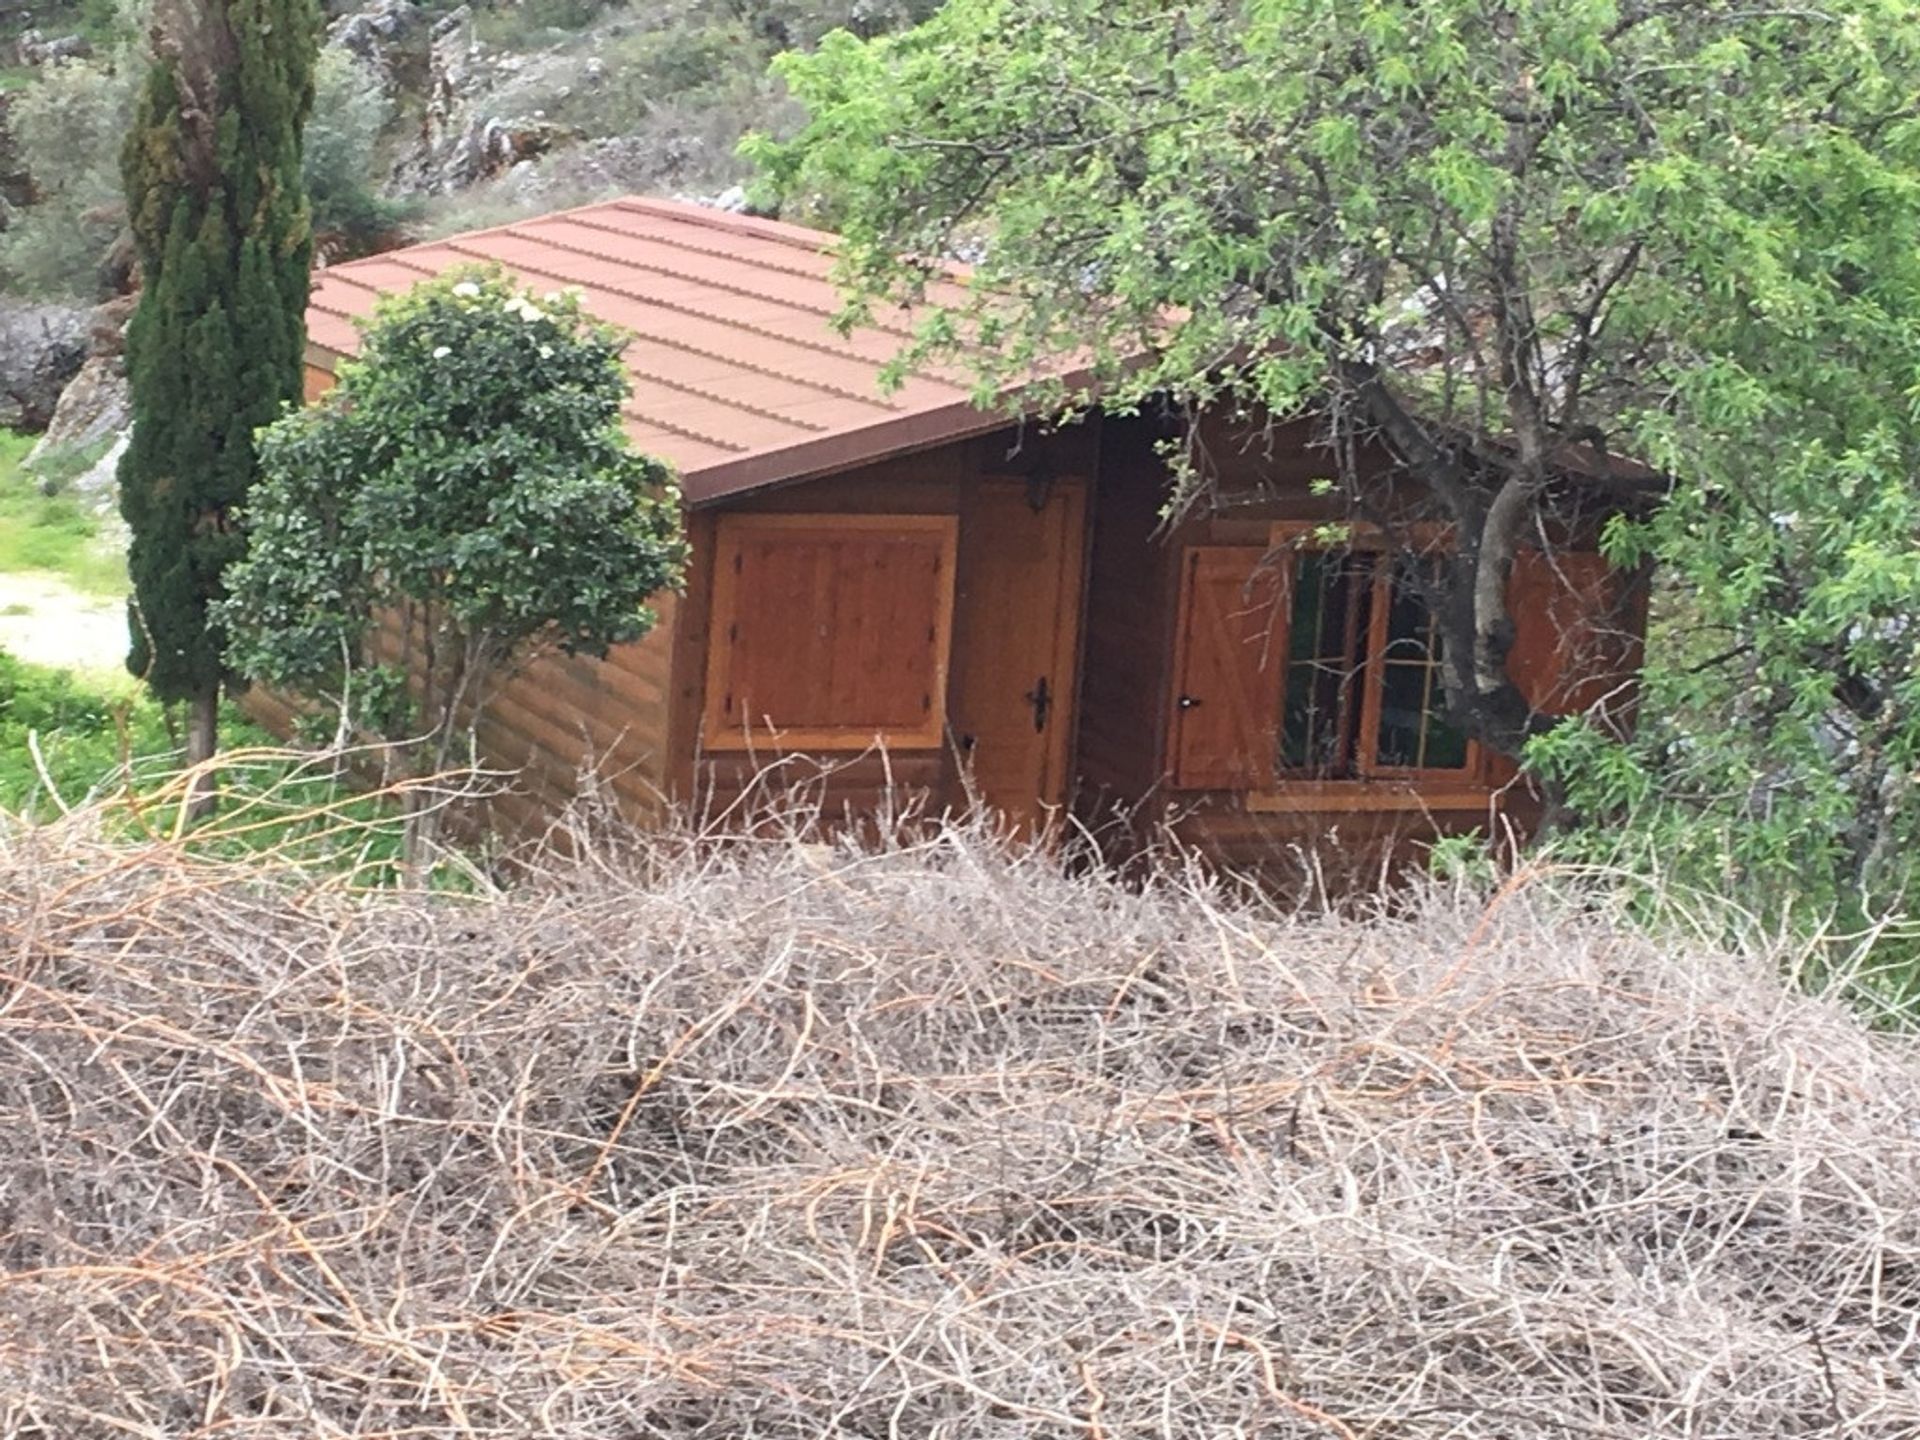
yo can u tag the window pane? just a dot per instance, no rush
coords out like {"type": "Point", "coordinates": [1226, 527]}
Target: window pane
{"type": "Point", "coordinates": [1403, 696]}
{"type": "Point", "coordinates": [1414, 730]}
{"type": "Point", "coordinates": [1320, 722]}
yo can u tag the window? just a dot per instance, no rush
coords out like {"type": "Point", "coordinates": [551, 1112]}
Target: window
{"type": "Point", "coordinates": [1303, 666]}
{"type": "Point", "coordinates": [1363, 691]}
{"type": "Point", "coordinates": [829, 631]}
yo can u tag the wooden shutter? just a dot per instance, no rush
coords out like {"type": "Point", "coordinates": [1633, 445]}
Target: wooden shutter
{"type": "Point", "coordinates": [1230, 664]}
{"type": "Point", "coordinates": [314, 382]}
{"type": "Point", "coordinates": [1577, 635]}
{"type": "Point", "coordinates": [830, 630]}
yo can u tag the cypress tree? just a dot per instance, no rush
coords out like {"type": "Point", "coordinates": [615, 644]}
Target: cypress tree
{"type": "Point", "coordinates": [221, 225]}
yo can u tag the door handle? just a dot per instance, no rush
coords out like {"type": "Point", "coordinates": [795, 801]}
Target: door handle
{"type": "Point", "coordinates": [1187, 702]}
{"type": "Point", "coordinates": [1041, 698]}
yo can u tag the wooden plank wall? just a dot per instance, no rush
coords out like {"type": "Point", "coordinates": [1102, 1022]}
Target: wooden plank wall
{"type": "Point", "coordinates": [557, 727]}
{"type": "Point", "coordinates": [731, 787]}
{"type": "Point", "coordinates": [1129, 635]}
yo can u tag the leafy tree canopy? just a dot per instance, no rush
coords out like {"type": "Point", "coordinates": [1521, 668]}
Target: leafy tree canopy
{"type": "Point", "coordinates": [1502, 238]}
{"type": "Point", "coordinates": [469, 477]}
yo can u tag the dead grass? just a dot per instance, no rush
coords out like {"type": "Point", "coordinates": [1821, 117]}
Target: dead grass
{"type": "Point", "coordinates": [927, 1140]}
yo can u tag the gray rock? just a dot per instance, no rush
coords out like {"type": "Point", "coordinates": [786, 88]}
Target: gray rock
{"type": "Point", "coordinates": [33, 48]}
{"type": "Point", "coordinates": [41, 348]}
{"type": "Point", "coordinates": [388, 35]}
{"type": "Point", "coordinates": [94, 406]}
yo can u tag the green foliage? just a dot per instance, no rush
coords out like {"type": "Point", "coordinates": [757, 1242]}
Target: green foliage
{"type": "Point", "coordinates": [212, 170]}
{"type": "Point", "coordinates": [342, 141]}
{"type": "Point", "coordinates": [114, 750]}
{"type": "Point", "coordinates": [86, 736]}
{"type": "Point", "coordinates": [44, 528]}
{"type": "Point", "coordinates": [527, 24]}
{"type": "Point", "coordinates": [470, 474]}
{"type": "Point", "coordinates": [1779, 752]}
{"type": "Point", "coordinates": [654, 78]}
{"type": "Point", "coordinates": [1485, 232]}
{"type": "Point", "coordinates": [68, 125]}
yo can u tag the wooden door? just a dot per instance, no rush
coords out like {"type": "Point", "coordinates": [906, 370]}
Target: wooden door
{"type": "Point", "coordinates": [1016, 670]}
{"type": "Point", "coordinates": [1229, 664]}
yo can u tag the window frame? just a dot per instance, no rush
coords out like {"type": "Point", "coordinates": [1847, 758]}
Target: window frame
{"type": "Point", "coordinates": [1373, 786]}
{"type": "Point", "coordinates": [723, 733]}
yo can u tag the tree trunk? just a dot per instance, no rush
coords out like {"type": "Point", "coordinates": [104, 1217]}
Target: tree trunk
{"type": "Point", "coordinates": [203, 741]}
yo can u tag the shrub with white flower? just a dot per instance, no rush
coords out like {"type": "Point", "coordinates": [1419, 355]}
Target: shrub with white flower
{"type": "Point", "coordinates": [470, 473]}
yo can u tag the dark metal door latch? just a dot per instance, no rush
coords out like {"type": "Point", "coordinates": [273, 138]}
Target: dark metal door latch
{"type": "Point", "coordinates": [1041, 698]}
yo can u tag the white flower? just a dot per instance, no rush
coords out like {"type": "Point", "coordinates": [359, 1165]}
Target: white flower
{"type": "Point", "coordinates": [466, 290]}
{"type": "Point", "coordinates": [440, 352]}
{"type": "Point", "coordinates": [546, 352]}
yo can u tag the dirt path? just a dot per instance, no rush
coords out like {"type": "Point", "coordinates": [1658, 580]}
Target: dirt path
{"type": "Point", "coordinates": [46, 621]}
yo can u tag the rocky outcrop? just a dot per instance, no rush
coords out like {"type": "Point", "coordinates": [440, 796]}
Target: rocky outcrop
{"type": "Point", "coordinates": [94, 416]}
{"type": "Point", "coordinates": [94, 407]}
{"type": "Point", "coordinates": [16, 185]}
{"type": "Point", "coordinates": [35, 49]}
{"type": "Point", "coordinates": [41, 348]}
{"type": "Point", "coordinates": [390, 36]}
{"type": "Point", "coordinates": [469, 131]}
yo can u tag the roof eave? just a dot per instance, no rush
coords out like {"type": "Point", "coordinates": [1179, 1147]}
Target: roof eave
{"type": "Point", "coordinates": [867, 445]}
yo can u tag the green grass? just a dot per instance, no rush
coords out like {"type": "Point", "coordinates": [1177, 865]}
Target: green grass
{"type": "Point", "coordinates": [55, 534]}
{"type": "Point", "coordinates": [67, 743]}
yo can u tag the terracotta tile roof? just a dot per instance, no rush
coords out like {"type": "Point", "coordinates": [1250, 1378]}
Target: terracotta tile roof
{"type": "Point", "coordinates": [738, 377]}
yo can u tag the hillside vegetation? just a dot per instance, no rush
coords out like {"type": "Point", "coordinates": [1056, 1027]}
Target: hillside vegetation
{"type": "Point", "coordinates": [429, 116]}
{"type": "Point", "coordinates": [776, 1141]}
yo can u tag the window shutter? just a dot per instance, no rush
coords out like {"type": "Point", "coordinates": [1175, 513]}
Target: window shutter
{"type": "Point", "coordinates": [830, 631]}
{"type": "Point", "coordinates": [1230, 667]}
{"type": "Point", "coordinates": [1576, 645]}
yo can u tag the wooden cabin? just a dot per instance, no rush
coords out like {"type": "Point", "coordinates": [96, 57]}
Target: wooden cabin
{"type": "Point", "coordinates": [904, 597]}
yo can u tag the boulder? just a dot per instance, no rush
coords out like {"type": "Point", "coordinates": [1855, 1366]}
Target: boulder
{"type": "Point", "coordinates": [42, 347]}
{"type": "Point", "coordinates": [95, 406]}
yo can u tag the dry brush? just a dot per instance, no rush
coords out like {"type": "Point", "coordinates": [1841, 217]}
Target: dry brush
{"type": "Point", "coordinates": [924, 1141]}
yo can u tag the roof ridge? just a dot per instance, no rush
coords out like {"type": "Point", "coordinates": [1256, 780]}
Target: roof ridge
{"type": "Point", "coordinates": [800, 237]}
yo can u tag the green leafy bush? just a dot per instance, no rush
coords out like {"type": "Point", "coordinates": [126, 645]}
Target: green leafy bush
{"type": "Point", "coordinates": [470, 475]}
